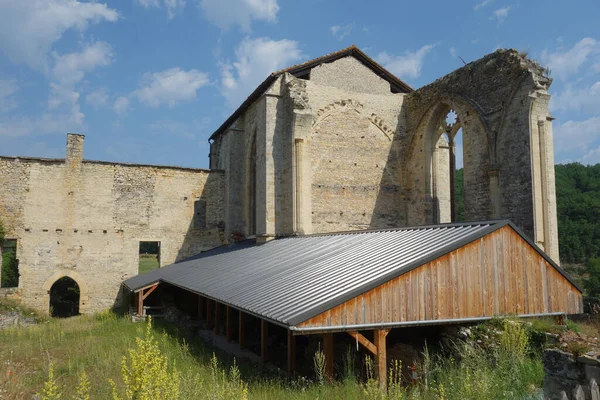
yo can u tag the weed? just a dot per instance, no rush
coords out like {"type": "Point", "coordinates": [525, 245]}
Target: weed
{"type": "Point", "coordinates": [319, 364]}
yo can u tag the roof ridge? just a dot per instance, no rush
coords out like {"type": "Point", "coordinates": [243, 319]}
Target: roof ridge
{"type": "Point", "coordinates": [405, 228]}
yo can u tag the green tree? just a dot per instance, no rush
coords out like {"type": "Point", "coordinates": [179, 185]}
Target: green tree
{"type": "Point", "coordinates": [592, 284]}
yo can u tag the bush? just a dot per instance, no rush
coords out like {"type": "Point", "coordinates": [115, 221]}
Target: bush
{"type": "Point", "coordinates": [146, 374]}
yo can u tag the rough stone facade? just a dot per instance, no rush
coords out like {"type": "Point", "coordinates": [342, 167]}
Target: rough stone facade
{"type": "Point", "coordinates": [85, 219]}
{"type": "Point", "coordinates": [338, 149]}
{"type": "Point", "coordinates": [334, 144]}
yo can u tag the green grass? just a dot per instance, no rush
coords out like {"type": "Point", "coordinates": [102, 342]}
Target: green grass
{"type": "Point", "coordinates": [96, 345]}
{"type": "Point", "coordinates": [148, 262]}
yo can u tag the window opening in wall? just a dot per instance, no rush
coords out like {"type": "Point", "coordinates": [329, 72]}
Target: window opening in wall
{"type": "Point", "coordinates": [305, 75]}
{"type": "Point", "coordinates": [10, 264]}
{"type": "Point", "coordinates": [200, 214]}
{"type": "Point", "coordinates": [149, 256]}
{"type": "Point", "coordinates": [448, 169]}
{"type": "Point", "coordinates": [459, 180]}
{"type": "Point", "coordinates": [252, 189]}
{"type": "Point", "coordinates": [64, 298]}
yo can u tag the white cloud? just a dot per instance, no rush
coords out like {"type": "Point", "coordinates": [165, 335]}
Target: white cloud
{"type": "Point", "coordinates": [70, 68]}
{"type": "Point", "coordinates": [8, 88]}
{"type": "Point", "coordinates": [341, 31]}
{"type": "Point", "coordinates": [121, 105]}
{"type": "Point", "coordinates": [501, 13]}
{"type": "Point", "coordinates": [574, 138]}
{"type": "Point", "coordinates": [228, 13]}
{"type": "Point", "coordinates": [484, 3]}
{"type": "Point", "coordinates": [453, 51]}
{"type": "Point", "coordinates": [586, 99]}
{"type": "Point", "coordinates": [29, 28]}
{"type": "Point", "coordinates": [407, 65]}
{"type": "Point", "coordinates": [565, 63]}
{"type": "Point", "coordinates": [170, 87]}
{"type": "Point", "coordinates": [98, 98]}
{"type": "Point", "coordinates": [172, 6]}
{"type": "Point", "coordinates": [591, 157]}
{"type": "Point", "coordinates": [60, 122]}
{"type": "Point", "coordinates": [255, 59]}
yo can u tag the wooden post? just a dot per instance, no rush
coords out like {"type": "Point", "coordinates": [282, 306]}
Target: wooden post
{"type": "Point", "coordinates": [328, 351]}
{"type": "Point", "coordinates": [217, 318]}
{"type": "Point", "coordinates": [209, 316]}
{"type": "Point", "coordinates": [140, 302]}
{"type": "Point", "coordinates": [264, 340]}
{"type": "Point", "coordinates": [200, 307]}
{"type": "Point", "coordinates": [381, 356]}
{"type": "Point", "coordinates": [291, 353]}
{"type": "Point", "coordinates": [228, 324]}
{"type": "Point", "coordinates": [242, 330]}
{"type": "Point", "coordinates": [560, 320]}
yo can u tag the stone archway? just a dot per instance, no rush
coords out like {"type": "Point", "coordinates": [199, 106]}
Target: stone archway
{"type": "Point", "coordinates": [83, 307]}
{"type": "Point", "coordinates": [480, 191]}
{"type": "Point", "coordinates": [64, 298]}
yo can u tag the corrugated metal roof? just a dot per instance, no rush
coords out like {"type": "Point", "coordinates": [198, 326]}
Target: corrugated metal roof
{"type": "Point", "coordinates": [290, 280]}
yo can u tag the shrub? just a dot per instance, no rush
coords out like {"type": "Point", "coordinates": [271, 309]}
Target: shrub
{"type": "Point", "coordinates": [51, 388]}
{"type": "Point", "coordinates": [146, 375]}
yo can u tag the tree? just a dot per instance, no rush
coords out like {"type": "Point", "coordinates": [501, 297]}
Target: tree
{"type": "Point", "coordinates": [592, 284]}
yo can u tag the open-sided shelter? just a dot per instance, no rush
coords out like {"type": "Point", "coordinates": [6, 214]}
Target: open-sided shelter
{"type": "Point", "coordinates": [374, 280]}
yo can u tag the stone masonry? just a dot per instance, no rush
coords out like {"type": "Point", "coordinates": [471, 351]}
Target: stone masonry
{"type": "Point", "coordinates": [338, 149]}
{"type": "Point", "coordinates": [85, 219]}
{"type": "Point", "coordinates": [333, 144]}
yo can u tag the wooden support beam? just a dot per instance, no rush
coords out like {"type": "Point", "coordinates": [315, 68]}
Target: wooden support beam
{"type": "Point", "coordinates": [217, 318]}
{"type": "Point", "coordinates": [381, 356]}
{"type": "Point", "coordinates": [264, 340]}
{"type": "Point", "coordinates": [209, 314]}
{"type": "Point", "coordinates": [560, 320]}
{"type": "Point", "coordinates": [364, 341]}
{"type": "Point", "coordinates": [291, 353]}
{"type": "Point", "coordinates": [201, 308]}
{"type": "Point", "coordinates": [140, 303]}
{"type": "Point", "coordinates": [150, 290]}
{"type": "Point", "coordinates": [228, 324]}
{"type": "Point", "coordinates": [328, 351]}
{"type": "Point", "coordinates": [242, 329]}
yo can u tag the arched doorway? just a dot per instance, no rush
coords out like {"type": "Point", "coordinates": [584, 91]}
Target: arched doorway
{"type": "Point", "coordinates": [64, 298]}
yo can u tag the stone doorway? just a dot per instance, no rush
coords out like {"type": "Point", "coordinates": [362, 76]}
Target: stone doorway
{"type": "Point", "coordinates": [64, 298]}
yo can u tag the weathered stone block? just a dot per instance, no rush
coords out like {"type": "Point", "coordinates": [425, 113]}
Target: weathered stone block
{"type": "Point", "coordinates": [561, 364]}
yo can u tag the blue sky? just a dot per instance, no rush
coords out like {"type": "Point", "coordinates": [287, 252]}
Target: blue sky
{"type": "Point", "coordinates": [148, 81]}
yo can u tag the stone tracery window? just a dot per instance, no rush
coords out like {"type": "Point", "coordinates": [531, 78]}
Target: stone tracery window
{"type": "Point", "coordinates": [447, 189]}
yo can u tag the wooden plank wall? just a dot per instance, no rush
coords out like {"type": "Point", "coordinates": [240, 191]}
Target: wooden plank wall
{"type": "Point", "coordinates": [500, 274]}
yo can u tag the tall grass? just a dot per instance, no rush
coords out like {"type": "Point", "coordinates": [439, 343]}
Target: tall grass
{"type": "Point", "coordinates": [79, 355]}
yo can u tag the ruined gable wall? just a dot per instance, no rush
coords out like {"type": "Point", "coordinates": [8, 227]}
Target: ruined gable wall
{"type": "Point", "coordinates": [349, 74]}
{"type": "Point", "coordinates": [85, 220]}
{"type": "Point", "coordinates": [502, 96]}
{"type": "Point", "coordinates": [353, 150]}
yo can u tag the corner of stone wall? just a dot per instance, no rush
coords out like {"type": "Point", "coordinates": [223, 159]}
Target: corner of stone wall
{"type": "Point", "coordinates": [570, 377]}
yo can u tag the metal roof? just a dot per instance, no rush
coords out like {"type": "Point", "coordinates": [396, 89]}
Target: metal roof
{"type": "Point", "coordinates": [290, 280]}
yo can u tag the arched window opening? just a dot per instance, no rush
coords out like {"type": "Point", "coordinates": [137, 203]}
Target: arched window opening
{"type": "Point", "coordinates": [448, 186]}
{"type": "Point", "coordinates": [252, 189]}
{"type": "Point", "coordinates": [64, 298]}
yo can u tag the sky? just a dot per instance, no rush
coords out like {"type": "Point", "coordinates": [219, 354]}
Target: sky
{"type": "Point", "coordinates": [148, 81]}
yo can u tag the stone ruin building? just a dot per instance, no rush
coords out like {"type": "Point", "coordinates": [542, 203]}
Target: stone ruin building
{"type": "Point", "coordinates": [334, 144]}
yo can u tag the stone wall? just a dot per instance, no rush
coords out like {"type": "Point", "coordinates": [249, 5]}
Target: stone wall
{"type": "Point", "coordinates": [501, 101]}
{"type": "Point", "coordinates": [570, 377]}
{"type": "Point", "coordinates": [337, 150]}
{"type": "Point", "coordinates": [85, 219]}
